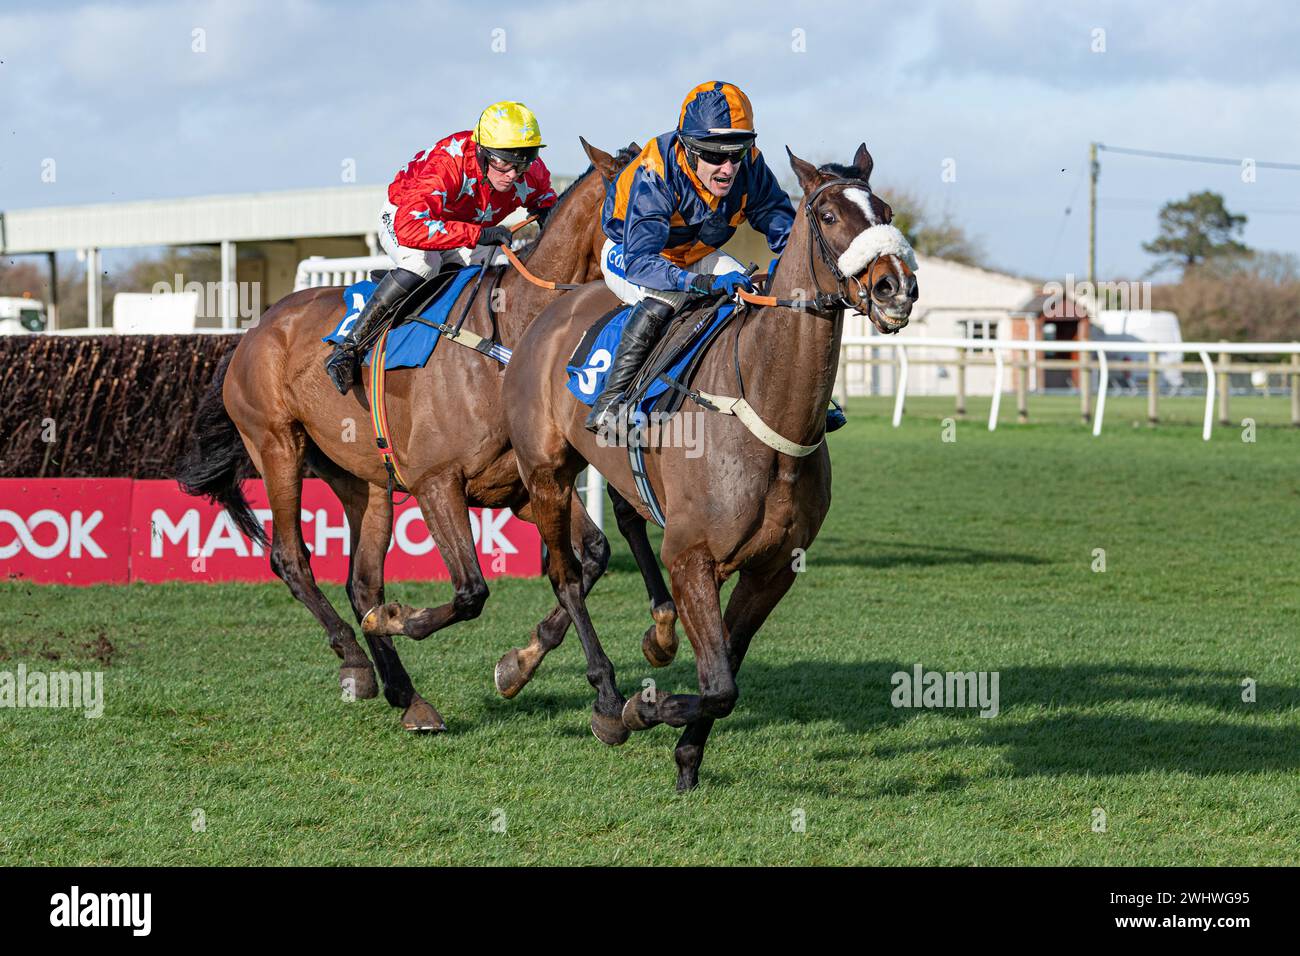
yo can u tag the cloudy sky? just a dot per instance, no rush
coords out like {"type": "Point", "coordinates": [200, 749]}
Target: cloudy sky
{"type": "Point", "coordinates": [132, 103]}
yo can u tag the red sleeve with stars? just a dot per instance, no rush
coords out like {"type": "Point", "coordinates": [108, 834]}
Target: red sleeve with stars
{"type": "Point", "coordinates": [424, 189]}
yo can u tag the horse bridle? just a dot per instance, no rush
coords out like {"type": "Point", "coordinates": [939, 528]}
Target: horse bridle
{"type": "Point", "coordinates": [825, 303]}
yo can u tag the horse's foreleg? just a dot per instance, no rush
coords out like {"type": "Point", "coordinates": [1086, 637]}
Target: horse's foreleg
{"type": "Point", "coordinates": [750, 604]}
{"type": "Point", "coordinates": [281, 458]}
{"type": "Point", "coordinates": [370, 516]}
{"type": "Point", "coordinates": [552, 503]}
{"type": "Point", "coordinates": [659, 645]}
{"type": "Point", "coordinates": [518, 665]}
{"type": "Point", "coordinates": [446, 512]}
{"type": "Point", "coordinates": [695, 589]}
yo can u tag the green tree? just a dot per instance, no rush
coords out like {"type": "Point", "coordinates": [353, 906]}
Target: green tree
{"type": "Point", "coordinates": [1196, 229]}
{"type": "Point", "coordinates": [930, 233]}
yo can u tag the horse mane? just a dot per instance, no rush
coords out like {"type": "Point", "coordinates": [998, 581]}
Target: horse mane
{"type": "Point", "coordinates": [839, 170]}
{"type": "Point", "coordinates": [621, 160]}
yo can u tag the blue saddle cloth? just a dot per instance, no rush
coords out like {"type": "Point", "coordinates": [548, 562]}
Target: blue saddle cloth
{"type": "Point", "coordinates": [411, 343]}
{"type": "Point", "coordinates": [589, 366]}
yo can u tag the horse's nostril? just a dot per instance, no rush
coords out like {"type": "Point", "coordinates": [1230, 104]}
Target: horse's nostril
{"type": "Point", "coordinates": [912, 290]}
{"type": "Point", "coordinates": [886, 288]}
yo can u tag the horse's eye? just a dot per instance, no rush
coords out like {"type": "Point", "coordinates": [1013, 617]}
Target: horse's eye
{"type": "Point", "coordinates": [828, 217]}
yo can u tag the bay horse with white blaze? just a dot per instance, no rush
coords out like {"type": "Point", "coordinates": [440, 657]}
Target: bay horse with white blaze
{"type": "Point", "coordinates": [762, 486]}
{"type": "Point", "coordinates": [272, 403]}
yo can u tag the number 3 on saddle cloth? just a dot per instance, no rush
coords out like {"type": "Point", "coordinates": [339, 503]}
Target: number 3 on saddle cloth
{"type": "Point", "coordinates": [589, 365]}
{"type": "Point", "coordinates": [407, 346]}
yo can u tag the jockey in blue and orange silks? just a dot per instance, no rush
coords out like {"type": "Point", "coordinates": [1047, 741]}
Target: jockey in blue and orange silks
{"type": "Point", "coordinates": [667, 214]}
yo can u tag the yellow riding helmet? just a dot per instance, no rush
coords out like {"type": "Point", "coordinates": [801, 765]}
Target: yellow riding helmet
{"type": "Point", "coordinates": [509, 131]}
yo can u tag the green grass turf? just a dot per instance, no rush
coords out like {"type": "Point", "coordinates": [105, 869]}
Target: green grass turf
{"type": "Point", "coordinates": [1119, 690]}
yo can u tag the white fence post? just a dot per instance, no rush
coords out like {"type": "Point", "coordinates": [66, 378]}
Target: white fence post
{"type": "Point", "coordinates": [1209, 395]}
{"type": "Point", "coordinates": [998, 374]}
{"type": "Point", "coordinates": [594, 499]}
{"type": "Point", "coordinates": [901, 387]}
{"type": "Point", "coordinates": [1103, 384]}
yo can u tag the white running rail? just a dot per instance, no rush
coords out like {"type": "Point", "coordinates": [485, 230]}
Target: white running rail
{"type": "Point", "coordinates": [999, 346]}
{"type": "Point", "coordinates": [319, 271]}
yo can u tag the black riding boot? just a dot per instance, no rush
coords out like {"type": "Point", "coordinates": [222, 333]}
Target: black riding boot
{"type": "Point", "coordinates": [640, 333]}
{"type": "Point", "coordinates": [393, 289]}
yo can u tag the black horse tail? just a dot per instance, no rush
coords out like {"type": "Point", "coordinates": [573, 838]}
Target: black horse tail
{"type": "Point", "coordinates": [216, 459]}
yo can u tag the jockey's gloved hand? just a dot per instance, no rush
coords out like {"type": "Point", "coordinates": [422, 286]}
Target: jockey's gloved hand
{"type": "Point", "coordinates": [700, 284]}
{"type": "Point", "coordinates": [729, 282]}
{"type": "Point", "coordinates": [494, 236]}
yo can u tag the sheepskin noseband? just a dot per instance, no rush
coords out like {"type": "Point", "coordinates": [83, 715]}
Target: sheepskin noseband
{"type": "Point", "coordinates": [873, 242]}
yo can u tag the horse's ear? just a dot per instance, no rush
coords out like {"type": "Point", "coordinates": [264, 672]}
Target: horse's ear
{"type": "Point", "coordinates": [634, 148]}
{"type": "Point", "coordinates": [806, 172]}
{"type": "Point", "coordinates": [603, 162]}
{"type": "Point", "coordinates": [863, 163]}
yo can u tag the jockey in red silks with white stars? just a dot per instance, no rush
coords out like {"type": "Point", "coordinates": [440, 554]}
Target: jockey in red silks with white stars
{"type": "Point", "coordinates": [443, 209]}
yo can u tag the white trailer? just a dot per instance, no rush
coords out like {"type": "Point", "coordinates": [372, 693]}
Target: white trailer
{"type": "Point", "coordinates": [1141, 325]}
{"type": "Point", "coordinates": [21, 314]}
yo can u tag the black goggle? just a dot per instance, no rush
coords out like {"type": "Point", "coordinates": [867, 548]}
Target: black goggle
{"type": "Point", "coordinates": [718, 158]}
{"type": "Point", "coordinates": [715, 154]}
{"type": "Point", "coordinates": [503, 162]}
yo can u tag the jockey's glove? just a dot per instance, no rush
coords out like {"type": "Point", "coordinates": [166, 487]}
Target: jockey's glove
{"type": "Point", "coordinates": [700, 284]}
{"type": "Point", "coordinates": [494, 236]}
{"type": "Point", "coordinates": [729, 282]}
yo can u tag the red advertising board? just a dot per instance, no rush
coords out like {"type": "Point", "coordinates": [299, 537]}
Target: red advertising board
{"type": "Point", "coordinates": [84, 531]}
{"type": "Point", "coordinates": [65, 530]}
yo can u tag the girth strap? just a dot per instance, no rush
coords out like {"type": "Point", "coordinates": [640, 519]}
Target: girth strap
{"type": "Point", "coordinates": [727, 405]}
{"type": "Point", "coordinates": [751, 420]}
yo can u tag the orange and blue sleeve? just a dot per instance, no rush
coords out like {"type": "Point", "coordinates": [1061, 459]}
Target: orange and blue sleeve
{"type": "Point", "coordinates": [650, 207]}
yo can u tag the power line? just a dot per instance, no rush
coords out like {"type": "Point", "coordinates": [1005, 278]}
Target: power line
{"type": "Point", "coordinates": [1127, 202]}
{"type": "Point", "coordinates": [1065, 217]}
{"type": "Point", "coordinates": [1190, 158]}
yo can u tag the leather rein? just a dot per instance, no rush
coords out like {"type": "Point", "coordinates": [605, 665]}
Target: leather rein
{"type": "Point", "coordinates": [823, 303]}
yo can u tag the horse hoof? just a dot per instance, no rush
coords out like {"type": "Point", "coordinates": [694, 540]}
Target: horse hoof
{"type": "Point", "coordinates": [359, 682]}
{"type": "Point", "coordinates": [656, 656]}
{"type": "Point", "coordinates": [385, 620]}
{"type": "Point", "coordinates": [609, 730]}
{"type": "Point", "coordinates": [660, 642]}
{"type": "Point", "coordinates": [421, 717]}
{"type": "Point", "coordinates": [632, 718]}
{"type": "Point", "coordinates": [374, 623]}
{"type": "Point", "coordinates": [507, 676]}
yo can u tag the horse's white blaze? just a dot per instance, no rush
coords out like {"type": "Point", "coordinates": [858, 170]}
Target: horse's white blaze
{"type": "Point", "coordinates": [877, 240]}
{"type": "Point", "coordinates": [862, 199]}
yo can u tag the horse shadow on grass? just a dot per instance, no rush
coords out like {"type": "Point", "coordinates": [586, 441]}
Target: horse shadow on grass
{"type": "Point", "coordinates": [878, 554]}
{"type": "Point", "coordinates": [1048, 722]}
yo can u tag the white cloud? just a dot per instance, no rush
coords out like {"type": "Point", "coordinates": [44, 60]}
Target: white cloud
{"type": "Point", "coordinates": [1010, 91]}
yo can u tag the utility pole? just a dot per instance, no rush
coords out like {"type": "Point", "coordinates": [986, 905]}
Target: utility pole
{"type": "Point", "coordinates": [1094, 168]}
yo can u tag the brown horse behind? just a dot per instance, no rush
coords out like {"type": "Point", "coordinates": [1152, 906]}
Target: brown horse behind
{"type": "Point", "coordinates": [273, 400]}
{"type": "Point", "coordinates": [741, 506]}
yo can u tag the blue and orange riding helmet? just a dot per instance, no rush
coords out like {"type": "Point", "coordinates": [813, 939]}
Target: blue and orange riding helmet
{"type": "Point", "coordinates": [717, 117]}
